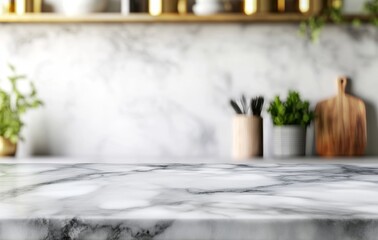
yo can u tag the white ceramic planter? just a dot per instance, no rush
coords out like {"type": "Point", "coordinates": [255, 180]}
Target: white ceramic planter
{"type": "Point", "coordinates": [76, 7]}
{"type": "Point", "coordinates": [208, 7]}
{"type": "Point", "coordinates": [289, 141]}
{"type": "Point", "coordinates": [354, 6]}
{"type": "Point", "coordinates": [247, 137]}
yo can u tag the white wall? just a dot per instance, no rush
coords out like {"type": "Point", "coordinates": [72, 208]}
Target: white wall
{"type": "Point", "coordinates": [162, 90]}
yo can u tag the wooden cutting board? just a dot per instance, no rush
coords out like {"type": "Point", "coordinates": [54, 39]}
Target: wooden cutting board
{"type": "Point", "coordinates": [340, 124]}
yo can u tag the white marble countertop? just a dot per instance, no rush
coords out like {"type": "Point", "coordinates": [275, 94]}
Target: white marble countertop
{"type": "Point", "coordinates": [262, 201]}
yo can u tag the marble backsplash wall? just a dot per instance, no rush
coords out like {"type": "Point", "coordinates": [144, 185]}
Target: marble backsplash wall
{"type": "Point", "coordinates": [162, 90]}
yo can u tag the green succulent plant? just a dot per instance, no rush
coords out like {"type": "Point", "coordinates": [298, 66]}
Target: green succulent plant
{"type": "Point", "coordinates": [293, 111]}
{"type": "Point", "coordinates": [14, 104]}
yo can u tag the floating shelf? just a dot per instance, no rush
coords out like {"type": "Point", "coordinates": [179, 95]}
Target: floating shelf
{"type": "Point", "coordinates": [145, 18]}
{"type": "Point", "coordinates": [166, 18]}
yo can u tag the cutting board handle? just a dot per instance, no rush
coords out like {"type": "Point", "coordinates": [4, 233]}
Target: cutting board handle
{"type": "Point", "coordinates": [342, 83]}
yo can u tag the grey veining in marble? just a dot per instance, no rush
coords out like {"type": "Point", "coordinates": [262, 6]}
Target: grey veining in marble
{"type": "Point", "coordinates": [265, 201]}
{"type": "Point", "coordinates": [162, 90]}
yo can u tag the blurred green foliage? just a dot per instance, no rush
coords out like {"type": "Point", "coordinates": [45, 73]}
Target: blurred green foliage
{"type": "Point", "coordinates": [312, 27]}
{"type": "Point", "coordinates": [14, 104]}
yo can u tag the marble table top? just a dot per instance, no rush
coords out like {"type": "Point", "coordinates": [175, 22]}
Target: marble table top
{"type": "Point", "coordinates": [262, 201]}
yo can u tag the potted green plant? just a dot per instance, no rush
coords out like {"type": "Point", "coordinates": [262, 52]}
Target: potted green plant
{"type": "Point", "coordinates": [290, 120]}
{"type": "Point", "coordinates": [14, 103]}
{"type": "Point", "coordinates": [247, 128]}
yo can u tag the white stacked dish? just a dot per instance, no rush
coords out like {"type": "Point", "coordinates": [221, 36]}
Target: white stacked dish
{"type": "Point", "coordinates": [208, 7]}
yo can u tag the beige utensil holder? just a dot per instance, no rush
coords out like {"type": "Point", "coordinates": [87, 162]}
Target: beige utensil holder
{"type": "Point", "coordinates": [247, 137]}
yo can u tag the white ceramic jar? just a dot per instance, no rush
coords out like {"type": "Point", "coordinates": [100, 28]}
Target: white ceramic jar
{"type": "Point", "coordinates": [76, 7]}
{"type": "Point", "coordinates": [208, 7]}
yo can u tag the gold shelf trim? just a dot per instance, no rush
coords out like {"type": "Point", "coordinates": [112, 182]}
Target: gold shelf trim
{"type": "Point", "coordinates": [166, 18]}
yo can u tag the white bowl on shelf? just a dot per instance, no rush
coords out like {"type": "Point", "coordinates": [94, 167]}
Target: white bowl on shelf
{"type": "Point", "coordinates": [208, 7]}
{"type": "Point", "coordinates": [77, 7]}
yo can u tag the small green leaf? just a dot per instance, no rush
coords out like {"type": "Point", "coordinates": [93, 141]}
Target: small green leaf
{"type": "Point", "coordinates": [356, 23]}
{"type": "Point", "coordinates": [11, 67]}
